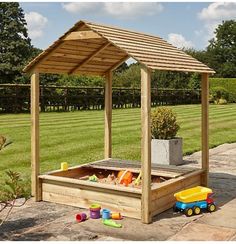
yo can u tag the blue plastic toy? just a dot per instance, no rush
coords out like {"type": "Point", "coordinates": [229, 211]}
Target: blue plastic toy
{"type": "Point", "coordinates": [106, 214]}
{"type": "Point", "coordinates": [193, 200]}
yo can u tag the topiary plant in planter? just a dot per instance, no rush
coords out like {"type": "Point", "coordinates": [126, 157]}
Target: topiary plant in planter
{"type": "Point", "coordinates": [166, 148]}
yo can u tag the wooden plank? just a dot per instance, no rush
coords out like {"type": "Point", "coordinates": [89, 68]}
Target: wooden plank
{"type": "Point", "coordinates": [136, 39]}
{"type": "Point", "coordinates": [102, 62]}
{"type": "Point", "coordinates": [95, 66]}
{"type": "Point", "coordinates": [81, 35]}
{"type": "Point", "coordinates": [76, 52]}
{"type": "Point", "coordinates": [89, 58]}
{"type": "Point", "coordinates": [181, 69]}
{"type": "Point", "coordinates": [59, 71]}
{"type": "Point", "coordinates": [146, 143]}
{"type": "Point", "coordinates": [111, 29]}
{"type": "Point", "coordinates": [60, 63]}
{"type": "Point", "coordinates": [205, 127]}
{"type": "Point", "coordinates": [179, 65]}
{"type": "Point", "coordinates": [78, 48]}
{"type": "Point", "coordinates": [88, 42]}
{"type": "Point", "coordinates": [170, 186]}
{"type": "Point", "coordinates": [108, 117]}
{"type": "Point", "coordinates": [173, 181]}
{"type": "Point", "coordinates": [140, 42]}
{"type": "Point", "coordinates": [78, 202]}
{"type": "Point", "coordinates": [35, 160]}
{"type": "Point", "coordinates": [130, 46]}
{"type": "Point", "coordinates": [93, 195]}
{"type": "Point", "coordinates": [75, 58]}
{"type": "Point", "coordinates": [86, 52]}
{"type": "Point", "coordinates": [78, 182]}
{"type": "Point", "coordinates": [162, 204]}
{"type": "Point", "coordinates": [52, 71]}
{"type": "Point", "coordinates": [146, 56]}
{"type": "Point", "coordinates": [61, 57]}
{"type": "Point", "coordinates": [141, 53]}
{"type": "Point", "coordinates": [173, 61]}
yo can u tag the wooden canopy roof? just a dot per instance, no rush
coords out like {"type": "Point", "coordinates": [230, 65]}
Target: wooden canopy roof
{"type": "Point", "coordinates": [89, 48]}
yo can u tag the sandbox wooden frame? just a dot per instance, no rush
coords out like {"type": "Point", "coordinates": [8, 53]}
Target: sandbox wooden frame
{"type": "Point", "coordinates": [148, 201]}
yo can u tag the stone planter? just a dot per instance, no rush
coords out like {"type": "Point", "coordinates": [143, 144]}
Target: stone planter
{"type": "Point", "coordinates": [168, 152]}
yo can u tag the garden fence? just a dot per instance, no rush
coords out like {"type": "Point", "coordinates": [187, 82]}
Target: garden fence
{"type": "Point", "coordinates": [15, 98]}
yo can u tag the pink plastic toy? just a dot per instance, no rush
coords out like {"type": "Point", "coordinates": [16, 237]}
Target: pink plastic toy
{"type": "Point", "coordinates": [81, 217]}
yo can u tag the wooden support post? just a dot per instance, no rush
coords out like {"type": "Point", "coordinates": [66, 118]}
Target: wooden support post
{"type": "Point", "coordinates": [35, 186]}
{"type": "Point", "coordinates": [205, 127]}
{"type": "Point", "coordinates": [108, 116]}
{"type": "Point", "coordinates": [146, 144]}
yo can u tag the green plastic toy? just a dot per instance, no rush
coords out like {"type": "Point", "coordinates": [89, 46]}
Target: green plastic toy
{"type": "Point", "coordinates": [111, 223]}
{"type": "Point", "coordinates": [93, 178]}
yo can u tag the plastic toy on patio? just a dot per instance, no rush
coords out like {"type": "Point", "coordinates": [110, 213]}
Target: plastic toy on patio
{"type": "Point", "coordinates": [193, 200]}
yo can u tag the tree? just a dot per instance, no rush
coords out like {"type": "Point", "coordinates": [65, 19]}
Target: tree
{"type": "Point", "coordinates": [200, 55]}
{"type": "Point", "coordinates": [222, 50]}
{"type": "Point", "coordinates": [15, 44]}
{"type": "Point", "coordinates": [129, 77]}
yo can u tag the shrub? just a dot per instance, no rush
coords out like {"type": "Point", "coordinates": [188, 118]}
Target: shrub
{"type": "Point", "coordinates": [217, 93]}
{"type": "Point", "coordinates": [12, 189]}
{"type": "Point", "coordinates": [228, 83]}
{"type": "Point", "coordinates": [222, 101]}
{"type": "Point", "coordinates": [163, 123]}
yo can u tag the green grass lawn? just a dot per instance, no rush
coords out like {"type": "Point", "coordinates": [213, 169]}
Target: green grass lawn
{"type": "Point", "coordinates": [77, 137]}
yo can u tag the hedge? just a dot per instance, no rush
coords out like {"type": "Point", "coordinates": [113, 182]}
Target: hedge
{"type": "Point", "coordinates": [227, 83]}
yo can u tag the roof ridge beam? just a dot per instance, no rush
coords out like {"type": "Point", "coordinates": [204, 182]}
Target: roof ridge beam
{"type": "Point", "coordinates": [81, 35]}
{"type": "Point", "coordinates": [89, 58]}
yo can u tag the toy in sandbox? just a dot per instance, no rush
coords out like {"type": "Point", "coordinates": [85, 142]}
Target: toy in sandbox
{"type": "Point", "coordinates": [193, 200]}
{"type": "Point", "coordinates": [123, 177]}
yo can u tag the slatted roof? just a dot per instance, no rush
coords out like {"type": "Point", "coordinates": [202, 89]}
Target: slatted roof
{"type": "Point", "coordinates": [89, 48]}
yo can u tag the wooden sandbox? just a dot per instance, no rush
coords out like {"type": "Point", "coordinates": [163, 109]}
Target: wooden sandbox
{"type": "Point", "coordinates": [94, 49]}
{"type": "Point", "coordinates": [66, 187]}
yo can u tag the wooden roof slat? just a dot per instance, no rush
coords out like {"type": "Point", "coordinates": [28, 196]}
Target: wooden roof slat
{"type": "Point", "coordinates": [73, 52]}
{"type": "Point", "coordinates": [118, 31]}
{"type": "Point", "coordinates": [88, 42]}
{"type": "Point", "coordinates": [68, 59]}
{"type": "Point", "coordinates": [133, 39]}
{"type": "Point", "coordinates": [173, 61]}
{"type": "Point", "coordinates": [80, 44]}
{"type": "Point", "coordinates": [162, 56]}
{"type": "Point", "coordinates": [60, 63]}
{"type": "Point", "coordinates": [151, 51]}
{"type": "Point", "coordinates": [94, 66]}
{"type": "Point", "coordinates": [177, 65]}
{"type": "Point", "coordinates": [79, 48]}
{"type": "Point", "coordinates": [180, 69]}
{"type": "Point", "coordinates": [131, 46]}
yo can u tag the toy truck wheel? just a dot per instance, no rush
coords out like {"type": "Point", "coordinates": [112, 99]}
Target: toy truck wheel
{"type": "Point", "coordinates": [175, 209]}
{"type": "Point", "coordinates": [197, 210]}
{"type": "Point", "coordinates": [211, 207]}
{"type": "Point", "coordinates": [188, 212]}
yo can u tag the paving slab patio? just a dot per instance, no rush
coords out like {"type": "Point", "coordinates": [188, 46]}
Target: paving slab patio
{"type": "Point", "coordinates": [49, 221]}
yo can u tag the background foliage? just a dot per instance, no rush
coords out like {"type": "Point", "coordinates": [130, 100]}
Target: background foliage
{"type": "Point", "coordinates": [228, 85]}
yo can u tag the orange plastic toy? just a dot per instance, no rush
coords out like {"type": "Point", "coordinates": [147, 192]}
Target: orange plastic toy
{"type": "Point", "coordinates": [125, 177]}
